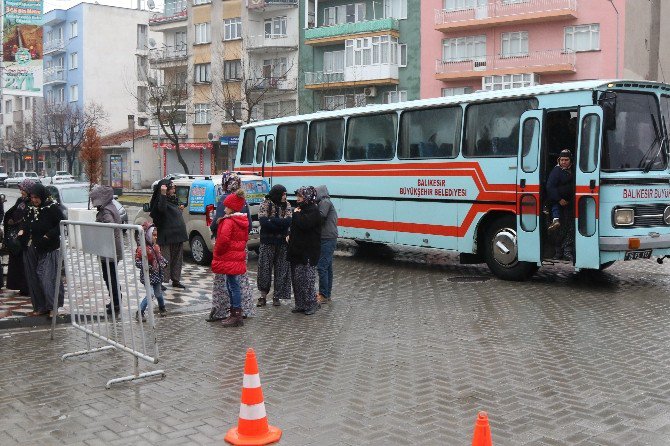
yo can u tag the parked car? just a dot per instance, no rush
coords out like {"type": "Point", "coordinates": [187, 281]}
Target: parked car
{"type": "Point", "coordinates": [17, 177]}
{"type": "Point", "coordinates": [173, 176]}
{"type": "Point", "coordinates": [199, 197]}
{"type": "Point", "coordinates": [75, 195]}
{"type": "Point", "coordinates": [3, 177]}
{"type": "Point", "coordinates": [61, 176]}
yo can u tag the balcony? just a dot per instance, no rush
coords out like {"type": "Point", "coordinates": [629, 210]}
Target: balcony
{"type": "Point", "coordinates": [55, 76]}
{"type": "Point", "coordinates": [548, 61]}
{"type": "Point", "coordinates": [54, 46]}
{"type": "Point", "coordinates": [328, 35]}
{"type": "Point", "coordinates": [162, 22]}
{"type": "Point", "coordinates": [266, 43]}
{"type": "Point", "coordinates": [358, 76]}
{"type": "Point", "coordinates": [55, 17]}
{"type": "Point", "coordinates": [270, 5]}
{"type": "Point", "coordinates": [505, 13]}
{"type": "Point", "coordinates": [169, 55]}
{"type": "Point", "coordinates": [273, 83]}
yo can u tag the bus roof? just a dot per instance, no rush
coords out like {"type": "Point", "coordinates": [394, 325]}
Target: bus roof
{"type": "Point", "coordinates": [471, 97]}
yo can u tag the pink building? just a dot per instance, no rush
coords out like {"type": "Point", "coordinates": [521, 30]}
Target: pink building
{"type": "Point", "coordinates": [469, 45]}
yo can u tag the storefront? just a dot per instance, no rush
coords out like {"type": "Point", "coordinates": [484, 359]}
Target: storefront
{"type": "Point", "coordinates": [199, 158]}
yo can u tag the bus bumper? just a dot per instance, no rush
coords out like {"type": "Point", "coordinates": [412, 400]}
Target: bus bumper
{"type": "Point", "coordinates": [659, 241]}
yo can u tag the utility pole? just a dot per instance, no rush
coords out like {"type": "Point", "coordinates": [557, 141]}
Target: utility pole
{"type": "Point", "coordinates": [617, 37]}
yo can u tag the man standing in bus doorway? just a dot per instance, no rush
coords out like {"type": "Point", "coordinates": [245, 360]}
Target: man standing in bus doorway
{"type": "Point", "coordinates": [561, 192]}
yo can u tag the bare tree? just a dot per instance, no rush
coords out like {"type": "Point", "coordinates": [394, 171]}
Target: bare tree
{"type": "Point", "coordinates": [65, 127]}
{"type": "Point", "coordinates": [245, 87]}
{"type": "Point", "coordinates": [91, 155]}
{"type": "Point", "coordinates": [16, 143]}
{"type": "Point", "coordinates": [37, 134]}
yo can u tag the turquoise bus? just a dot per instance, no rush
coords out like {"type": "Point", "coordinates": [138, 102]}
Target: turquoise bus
{"type": "Point", "coordinates": [467, 173]}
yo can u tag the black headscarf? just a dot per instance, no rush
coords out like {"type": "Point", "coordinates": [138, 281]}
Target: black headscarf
{"type": "Point", "coordinates": [153, 204]}
{"type": "Point", "coordinates": [276, 194]}
{"type": "Point", "coordinates": [40, 191]}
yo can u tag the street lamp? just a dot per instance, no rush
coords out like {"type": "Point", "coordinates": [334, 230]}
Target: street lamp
{"type": "Point", "coordinates": [617, 37]}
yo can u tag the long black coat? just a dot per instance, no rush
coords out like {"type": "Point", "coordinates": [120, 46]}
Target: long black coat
{"type": "Point", "coordinates": [305, 236]}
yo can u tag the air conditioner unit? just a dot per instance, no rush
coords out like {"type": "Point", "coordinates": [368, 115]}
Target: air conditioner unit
{"type": "Point", "coordinates": [479, 64]}
{"type": "Point", "coordinates": [370, 92]}
{"type": "Point", "coordinates": [212, 136]}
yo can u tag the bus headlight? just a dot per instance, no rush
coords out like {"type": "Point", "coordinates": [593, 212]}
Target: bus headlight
{"type": "Point", "coordinates": [666, 215]}
{"type": "Point", "coordinates": [624, 217]}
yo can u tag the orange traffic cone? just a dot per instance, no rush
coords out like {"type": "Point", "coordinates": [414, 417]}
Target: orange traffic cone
{"type": "Point", "coordinates": [482, 436]}
{"type": "Point", "coordinates": [252, 427]}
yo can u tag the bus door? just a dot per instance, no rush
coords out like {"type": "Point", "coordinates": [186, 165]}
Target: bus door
{"type": "Point", "coordinates": [528, 187]}
{"type": "Point", "coordinates": [264, 159]}
{"type": "Point", "coordinates": [587, 187]}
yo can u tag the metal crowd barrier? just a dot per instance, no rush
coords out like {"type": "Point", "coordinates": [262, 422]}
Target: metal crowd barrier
{"type": "Point", "coordinates": [83, 245]}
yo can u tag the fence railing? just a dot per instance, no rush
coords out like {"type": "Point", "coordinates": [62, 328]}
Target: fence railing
{"type": "Point", "coordinates": [500, 9]}
{"type": "Point", "coordinates": [537, 59]}
{"type": "Point", "coordinates": [319, 77]}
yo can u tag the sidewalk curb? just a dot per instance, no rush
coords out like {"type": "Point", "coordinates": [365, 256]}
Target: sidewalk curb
{"type": "Point", "coordinates": [31, 321]}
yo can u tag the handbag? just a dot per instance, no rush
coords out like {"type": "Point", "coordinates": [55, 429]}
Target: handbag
{"type": "Point", "coordinates": [12, 242]}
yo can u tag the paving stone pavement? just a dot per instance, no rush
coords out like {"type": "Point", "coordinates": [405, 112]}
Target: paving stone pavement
{"type": "Point", "coordinates": [408, 352]}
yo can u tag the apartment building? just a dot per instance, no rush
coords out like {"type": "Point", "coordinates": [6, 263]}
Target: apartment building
{"type": "Point", "coordinates": [270, 63]}
{"type": "Point", "coordinates": [17, 118]}
{"type": "Point", "coordinates": [355, 53]}
{"type": "Point", "coordinates": [96, 54]}
{"type": "Point", "coordinates": [470, 45]}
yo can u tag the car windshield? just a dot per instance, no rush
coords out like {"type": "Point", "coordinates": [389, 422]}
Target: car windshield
{"type": "Point", "coordinates": [61, 172]}
{"type": "Point", "coordinates": [635, 139]}
{"type": "Point", "coordinates": [74, 195]}
{"type": "Point", "coordinates": [31, 174]}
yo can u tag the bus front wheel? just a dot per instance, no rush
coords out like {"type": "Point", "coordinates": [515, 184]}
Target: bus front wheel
{"type": "Point", "coordinates": [501, 251]}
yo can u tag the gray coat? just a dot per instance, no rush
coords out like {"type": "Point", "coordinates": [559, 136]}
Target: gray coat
{"type": "Point", "coordinates": [101, 199]}
{"type": "Point", "coordinates": [328, 213]}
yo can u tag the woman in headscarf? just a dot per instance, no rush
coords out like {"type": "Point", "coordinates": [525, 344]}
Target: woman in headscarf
{"type": "Point", "coordinates": [16, 275]}
{"type": "Point", "coordinates": [102, 199]}
{"type": "Point", "coordinates": [40, 234]}
{"type": "Point", "coordinates": [230, 183]}
{"type": "Point", "coordinates": [304, 250]}
{"type": "Point", "coordinates": [274, 216]}
{"type": "Point", "coordinates": [165, 211]}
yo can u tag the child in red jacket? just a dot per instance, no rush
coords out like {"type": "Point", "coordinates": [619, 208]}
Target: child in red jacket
{"type": "Point", "coordinates": [230, 257]}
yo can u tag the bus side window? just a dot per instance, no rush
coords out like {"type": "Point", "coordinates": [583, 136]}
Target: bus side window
{"type": "Point", "coordinates": [291, 143]}
{"type": "Point", "coordinates": [247, 155]}
{"type": "Point", "coordinates": [492, 129]}
{"type": "Point", "coordinates": [430, 133]}
{"type": "Point", "coordinates": [371, 137]}
{"type": "Point", "coordinates": [326, 139]}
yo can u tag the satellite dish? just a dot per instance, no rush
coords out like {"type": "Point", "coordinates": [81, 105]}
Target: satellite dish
{"type": "Point", "coordinates": [151, 4]}
{"type": "Point", "coordinates": [152, 43]}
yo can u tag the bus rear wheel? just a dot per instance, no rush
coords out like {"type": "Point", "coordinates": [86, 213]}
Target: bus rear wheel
{"type": "Point", "coordinates": [501, 251]}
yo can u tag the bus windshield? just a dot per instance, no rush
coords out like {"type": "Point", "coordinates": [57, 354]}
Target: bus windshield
{"type": "Point", "coordinates": [635, 140]}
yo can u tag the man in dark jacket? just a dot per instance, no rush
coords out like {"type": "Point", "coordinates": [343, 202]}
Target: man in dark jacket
{"type": "Point", "coordinates": [102, 199]}
{"type": "Point", "coordinates": [328, 243]}
{"type": "Point", "coordinates": [561, 193]}
{"type": "Point", "coordinates": [304, 249]}
{"type": "Point", "coordinates": [165, 211]}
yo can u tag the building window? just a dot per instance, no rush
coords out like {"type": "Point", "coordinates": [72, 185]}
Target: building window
{"type": "Point", "coordinates": [232, 28]}
{"type": "Point", "coordinates": [74, 61]}
{"type": "Point", "coordinates": [202, 114]}
{"type": "Point", "coordinates": [142, 39]}
{"type": "Point", "coordinates": [203, 72]}
{"type": "Point", "coordinates": [392, 97]}
{"type": "Point", "coordinates": [74, 30]}
{"type": "Point", "coordinates": [61, 94]}
{"type": "Point", "coordinates": [202, 33]}
{"type": "Point", "coordinates": [74, 93]}
{"type": "Point", "coordinates": [8, 106]}
{"type": "Point", "coordinates": [402, 54]}
{"type": "Point", "coordinates": [275, 68]}
{"type": "Point", "coordinates": [173, 7]}
{"type": "Point", "coordinates": [27, 103]}
{"type": "Point", "coordinates": [28, 130]}
{"type": "Point", "coordinates": [456, 91]}
{"type": "Point", "coordinates": [514, 44]}
{"type": "Point", "coordinates": [507, 81]}
{"type": "Point", "coordinates": [232, 69]}
{"type": "Point", "coordinates": [463, 48]}
{"type": "Point", "coordinates": [233, 111]}
{"type": "Point", "coordinates": [371, 51]}
{"type": "Point", "coordinates": [275, 27]}
{"type": "Point", "coordinates": [142, 68]}
{"type": "Point", "coordinates": [333, 62]}
{"type": "Point", "coordinates": [278, 109]}
{"type": "Point", "coordinates": [201, 2]}
{"type": "Point", "coordinates": [142, 99]}
{"type": "Point", "coordinates": [337, 15]}
{"type": "Point", "coordinates": [582, 38]}
{"type": "Point", "coordinates": [459, 5]}
{"type": "Point", "coordinates": [339, 102]}
{"type": "Point", "coordinates": [396, 9]}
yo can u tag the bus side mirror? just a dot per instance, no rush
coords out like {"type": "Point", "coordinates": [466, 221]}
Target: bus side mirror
{"type": "Point", "coordinates": [145, 207]}
{"type": "Point", "coordinates": [608, 103]}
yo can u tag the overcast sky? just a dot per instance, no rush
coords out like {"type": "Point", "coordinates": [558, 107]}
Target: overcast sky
{"type": "Point", "coordinates": [65, 4]}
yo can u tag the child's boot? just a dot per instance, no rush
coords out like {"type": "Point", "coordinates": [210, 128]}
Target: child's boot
{"type": "Point", "coordinates": [235, 318]}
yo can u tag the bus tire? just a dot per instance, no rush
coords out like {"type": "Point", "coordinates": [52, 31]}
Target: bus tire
{"type": "Point", "coordinates": [500, 251]}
